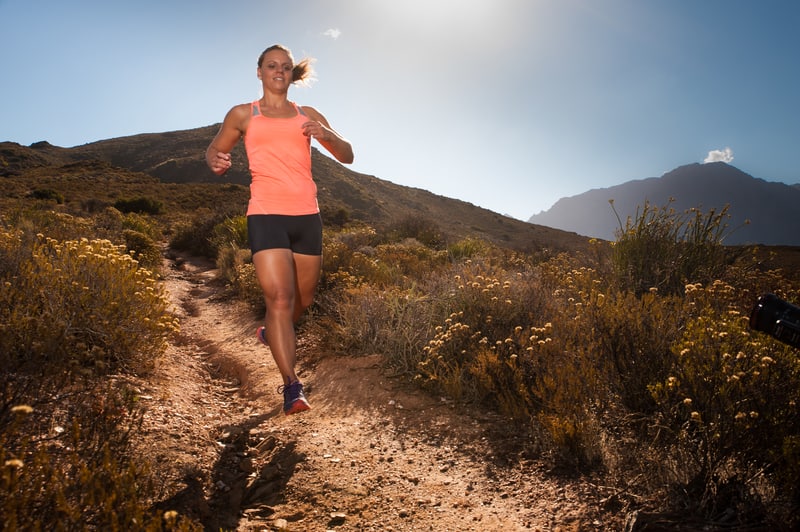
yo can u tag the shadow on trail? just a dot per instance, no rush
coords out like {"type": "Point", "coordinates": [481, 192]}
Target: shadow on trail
{"type": "Point", "coordinates": [248, 479]}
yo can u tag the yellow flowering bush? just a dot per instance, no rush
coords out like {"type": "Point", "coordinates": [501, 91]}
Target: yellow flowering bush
{"type": "Point", "coordinates": [76, 315]}
{"type": "Point", "coordinates": [80, 304]}
{"type": "Point", "coordinates": [731, 401]}
{"type": "Point", "coordinates": [79, 479]}
{"type": "Point", "coordinates": [641, 363]}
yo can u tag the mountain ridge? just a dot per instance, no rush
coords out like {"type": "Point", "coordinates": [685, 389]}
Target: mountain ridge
{"type": "Point", "coordinates": [761, 211]}
{"type": "Point", "coordinates": [178, 157]}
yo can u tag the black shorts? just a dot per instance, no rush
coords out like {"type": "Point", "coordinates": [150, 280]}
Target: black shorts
{"type": "Point", "coordinates": [301, 234]}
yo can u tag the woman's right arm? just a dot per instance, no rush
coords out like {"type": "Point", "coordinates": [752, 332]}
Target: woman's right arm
{"type": "Point", "coordinates": [218, 153]}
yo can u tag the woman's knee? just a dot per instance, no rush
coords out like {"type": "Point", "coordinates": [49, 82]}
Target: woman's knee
{"type": "Point", "coordinates": [279, 301]}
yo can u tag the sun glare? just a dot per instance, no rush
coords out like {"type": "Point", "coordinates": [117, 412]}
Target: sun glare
{"type": "Point", "coordinates": [441, 16]}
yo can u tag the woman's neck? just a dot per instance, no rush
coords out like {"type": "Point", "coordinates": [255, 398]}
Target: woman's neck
{"type": "Point", "coordinates": [276, 102]}
{"type": "Point", "coordinates": [276, 107]}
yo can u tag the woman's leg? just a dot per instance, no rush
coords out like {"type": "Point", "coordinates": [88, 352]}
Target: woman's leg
{"type": "Point", "coordinates": [288, 281]}
{"type": "Point", "coordinates": [308, 269]}
{"type": "Point", "coordinates": [276, 276]}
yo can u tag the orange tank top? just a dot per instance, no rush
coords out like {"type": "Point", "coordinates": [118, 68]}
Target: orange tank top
{"type": "Point", "coordinates": [279, 156]}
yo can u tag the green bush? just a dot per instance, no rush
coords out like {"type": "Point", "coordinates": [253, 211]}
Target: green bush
{"type": "Point", "coordinates": [467, 248]}
{"type": "Point", "coordinates": [231, 231]}
{"type": "Point", "coordinates": [140, 205]}
{"type": "Point", "coordinates": [196, 235]}
{"type": "Point", "coordinates": [143, 249]}
{"type": "Point", "coordinates": [48, 194]}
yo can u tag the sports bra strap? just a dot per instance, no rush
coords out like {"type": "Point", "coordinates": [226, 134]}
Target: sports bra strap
{"type": "Point", "coordinates": [256, 110]}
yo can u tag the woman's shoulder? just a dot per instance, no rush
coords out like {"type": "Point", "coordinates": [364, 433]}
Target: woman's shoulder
{"type": "Point", "coordinates": [241, 109]}
{"type": "Point", "coordinates": [310, 112]}
{"type": "Point", "coordinates": [239, 115]}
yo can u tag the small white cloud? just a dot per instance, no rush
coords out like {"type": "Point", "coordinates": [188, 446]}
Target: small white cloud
{"type": "Point", "coordinates": [333, 33]}
{"type": "Point", "coordinates": [716, 156]}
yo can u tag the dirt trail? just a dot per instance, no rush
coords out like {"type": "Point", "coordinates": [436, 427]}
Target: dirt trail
{"type": "Point", "coordinates": [372, 454]}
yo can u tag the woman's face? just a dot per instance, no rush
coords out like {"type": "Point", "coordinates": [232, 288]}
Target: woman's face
{"type": "Point", "coordinates": [276, 69]}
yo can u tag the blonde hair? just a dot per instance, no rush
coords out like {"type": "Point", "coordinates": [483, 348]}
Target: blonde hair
{"type": "Point", "coordinates": [302, 72]}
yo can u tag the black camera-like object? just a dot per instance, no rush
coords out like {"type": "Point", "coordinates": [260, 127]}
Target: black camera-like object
{"type": "Point", "coordinates": [778, 318]}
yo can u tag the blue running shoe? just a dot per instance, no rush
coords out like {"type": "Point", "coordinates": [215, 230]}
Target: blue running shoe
{"type": "Point", "coordinates": [293, 399]}
{"type": "Point", "coordinates": [261, 334]}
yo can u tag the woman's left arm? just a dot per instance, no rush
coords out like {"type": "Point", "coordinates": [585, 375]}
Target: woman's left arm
{"type": "Point", "coordinates": [319, 128]}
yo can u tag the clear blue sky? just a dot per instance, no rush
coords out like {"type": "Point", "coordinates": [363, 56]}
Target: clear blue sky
{"type": "Point", "coordinates": [507, 104]}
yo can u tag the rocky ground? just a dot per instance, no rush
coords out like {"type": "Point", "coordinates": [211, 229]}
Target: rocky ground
{"type": "Point", "coordinates": [372, 454]}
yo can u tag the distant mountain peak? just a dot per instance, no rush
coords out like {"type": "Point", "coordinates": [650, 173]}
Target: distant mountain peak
{"type": "Point", "coordinates": [770, 207]}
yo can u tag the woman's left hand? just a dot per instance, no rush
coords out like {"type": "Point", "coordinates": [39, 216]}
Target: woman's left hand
{"type": "Point", "coordinates": [314, 129]}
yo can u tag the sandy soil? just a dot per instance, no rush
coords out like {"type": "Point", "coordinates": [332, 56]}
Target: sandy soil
{"type": "Point", "coordinates": [372, 454]}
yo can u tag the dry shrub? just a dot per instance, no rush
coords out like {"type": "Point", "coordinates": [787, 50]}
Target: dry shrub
{"type": "Point", "coordinates": [410, 259]}
{"type": "Point", "coordinates": [417, 228]}
{"type": "Point", "coordinates": [57, 225]}
{"type": "Point", "coordinates": [141, 204]}
{"type": "Point", "coordinates": [75, 317]}
{"type": "Point", "coordinates": [731, 403]}
{"type": "Point", "coordinates": [664, 249]}
{"type": "Point", "coordinates": [636, 369]}
{"type": "Point", "coordinates": [142, 248]}
{"type": "Point", "coordinates": [363, 320]}
{"type": "Point", "coordinates": [199, 234]}
{"type": "Point", "coordinates": [83, 305]}
{"type": "Point", "coordinates": [630, 339]}
{"type": "Point", "coordinates": [77, 475]}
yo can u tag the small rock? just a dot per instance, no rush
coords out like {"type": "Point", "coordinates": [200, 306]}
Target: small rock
{"type": "Point", "coordinates": [337, 519]}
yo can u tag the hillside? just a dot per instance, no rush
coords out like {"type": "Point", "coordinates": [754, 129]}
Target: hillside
{"type": "Point", "coordinates": [178, 158]}
{"type": "Point", "coordinates": [770, 208]}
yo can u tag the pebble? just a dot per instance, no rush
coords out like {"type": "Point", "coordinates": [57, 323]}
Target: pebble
{"type": "Point", "coordinates": [337, 519]}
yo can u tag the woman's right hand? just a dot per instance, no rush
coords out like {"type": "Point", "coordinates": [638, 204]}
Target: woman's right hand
{"type": "Point", "coordinates": [220, 162]}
